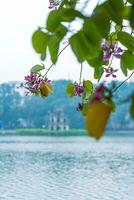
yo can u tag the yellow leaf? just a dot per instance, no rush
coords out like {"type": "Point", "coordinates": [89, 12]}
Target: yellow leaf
{"type": "Point", "coordinates": [45, 89]}
{"type": "Point", "coordinates": [97, 117]}
{"type": "Point", "coordinates": [49, 87]}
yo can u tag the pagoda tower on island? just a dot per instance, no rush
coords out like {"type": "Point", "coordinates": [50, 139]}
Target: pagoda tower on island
{"type": "Point", "coordinates": [57, 121]}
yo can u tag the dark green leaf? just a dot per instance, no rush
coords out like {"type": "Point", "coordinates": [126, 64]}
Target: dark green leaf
{"type": "Point", "coordinates": [69, 14]}
{"type": "Point", "coordinates": [54, 42]}
{"type": "Point", "coordinates": [118, 28]}
{"type": "Point", "coordinates": [115, 9]}
{"type": "Point", "coordinates": [53, 20]}
{"type": "Point", "coordinates": [68, 4]}
{"type": "Point", "coordinates": [39, 41]}
{"type": "Point", "coordinates": [131, 1]}
{"type": "Point", "coordinates": [98, 72]}
{"type": "Point", "coordinates": [81, 46]}
{"type": "Point", "coordinates": [92, 33]}
{"type": "Point", "coordinates": [70, 89]}
{"type": "Point", "coordinates": [123, 67]}
{"type": "Point", "coordinates": [37, 68]}
{"type": "Point", "coordinates": [127, 60]}
{"type": "Point", "coordinates": [102, 20]}
{"type": "Point", "coordinates": [127, 11]}
{"type": "Point", "coordinates": [132, 16]}
{"type": "Point", "coordinates": [112, 38]}
{"type": "Point", "coordinates": [97, 60]}
{"type": "Point", "coordinates": [126, 39]}
{"type": "Point", "coordinates": [61, 32]}
{"type": "Point", "coordinates": [53, 46]}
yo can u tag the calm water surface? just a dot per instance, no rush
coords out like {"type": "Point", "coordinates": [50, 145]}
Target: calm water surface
{"type": "Point", "coordinates": [66, 168]}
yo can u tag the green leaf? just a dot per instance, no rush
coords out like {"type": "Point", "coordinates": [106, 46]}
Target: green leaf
{"type": "Point", "coordinates": [85, 109]}
{"type": "Point", "coordinates": [70, 89]}
{"type": "Point", "coordinates": [88, 86]}
{"type": "Point", "coordinates": [126, 12]}
{"type": "Point", "coordinates": [132, 16]}
{"type": "Point", "coordinates": [53, 21]}
{"type": "Point", "coordinates": [102, 20]}
{"type": "Point", "coordinates": [53, 46]}
{"type": "Point", "coordinates": [98, 72]}
{"type": "Point", "coordinates": [68, 4]}
{"type": "Point", "coordinates": [71, 16]}
{"type": "Point", "coordinates": [132, 108]}
{"type": "Point", "coordinates": [40, 41]}
{"type": "Point", "coordinates": [123, 68]}
{"type": "Point", "coordinates": [97, 61]}
{"type": "Point", "coordinates": [112, 38]}
{"type": "Point", "coordinates": [62, 15]}
{"type": "Point", "coordinates": [131, 1]}
{"type": "Point", "coordinates": [126, 39]}
{"type": "Point", "coordinates": [81, 46]}
{"type": "Point", "coordinates": [37, 68]}
{"type": "Point", "coordinates": [92, 34]}
{"type": "Point", "coordinates": [60, 32]}
{"type": "Point", "coordinates": [112, 104]}
{"type": "Point", "coordinates": [54, 43]}
{"type": "Point", "coordinates": [115, 9]}
{"type": "Point", "coordinates": [118, 28]}
{"type": "Point", "coordinates": [127, 60]}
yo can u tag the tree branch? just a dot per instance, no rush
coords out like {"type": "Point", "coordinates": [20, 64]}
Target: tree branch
{"type": "Point", "coordinates": [123, 82]}
{"type": "Point", "coordinates": [80, 72]}
{"type": "Point", "coordinates": [58, 56]}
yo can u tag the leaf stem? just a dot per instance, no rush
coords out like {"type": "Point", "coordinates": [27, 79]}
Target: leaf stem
{"type": "Point", "coordinates": [80, 73]}
{"type": "Point", "coordinates": [123, 82]}
{"type": "Point", "coordinates": [57, 56]}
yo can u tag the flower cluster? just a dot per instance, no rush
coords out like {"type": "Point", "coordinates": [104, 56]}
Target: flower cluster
{"type": "Point", "coordinates": [53, 4]}
{"type": "Point", "coordinates": [34, 82]}
{"type": "Point", "coordinates": [78, 90]}
{"type": "Point", "coordinates": [110, 50]}
{"type": "Point", "coordinates": [99, 93]}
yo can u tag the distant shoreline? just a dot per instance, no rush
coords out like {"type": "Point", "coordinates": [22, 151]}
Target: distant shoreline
{"type": "Point", "coordinates": [71, 132]}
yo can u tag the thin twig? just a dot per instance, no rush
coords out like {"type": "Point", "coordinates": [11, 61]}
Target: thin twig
{"type": "Point", "coordinates": [81, 73]}
{"type": "Point", "coordinates": [123, 82]}
{"type": "Point", "coordinates": [57, 56]}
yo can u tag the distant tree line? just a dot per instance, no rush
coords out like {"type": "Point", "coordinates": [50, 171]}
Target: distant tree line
{"type": "Point", "coordinates": [20, 111]}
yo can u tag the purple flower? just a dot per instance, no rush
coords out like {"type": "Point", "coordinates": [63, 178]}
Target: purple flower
{"type": "Point", "coordinates": [112, 46]}
{"type": "Point", "coordinates": [110, 72]}
{"type": "Point", "coordinates": [117, 52]}
{"type": "Point", "coordinates": [106, 57]}
{"type": "Point", "coordinates": [104, 47]}
{"type": "Point", "coordinates": [31, 77]}
{"type": "Point", "coordinates": [53, 3]}
{"type": "Point", "coordinates": [99, 93]}
{"type": "Point", "coordinates": [33, 82]}
{"type": "Point", "coordinates": [110, 50]}
{"type": "Point", "coordinates": [78, 90]}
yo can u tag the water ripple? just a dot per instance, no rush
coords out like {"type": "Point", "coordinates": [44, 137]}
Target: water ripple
{"type": "Point", "coordinates": [66, 169]}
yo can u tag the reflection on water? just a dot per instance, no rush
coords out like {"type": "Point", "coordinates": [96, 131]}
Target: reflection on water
{"type": "Point", "coordinates": [66, 168]}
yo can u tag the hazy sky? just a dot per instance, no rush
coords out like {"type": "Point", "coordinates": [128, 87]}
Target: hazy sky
{"type": "Point", "coordinates": [18, 20]}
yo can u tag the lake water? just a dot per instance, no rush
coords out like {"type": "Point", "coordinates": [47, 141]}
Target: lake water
{"type": "Point", "coordinates": [66, 168]}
